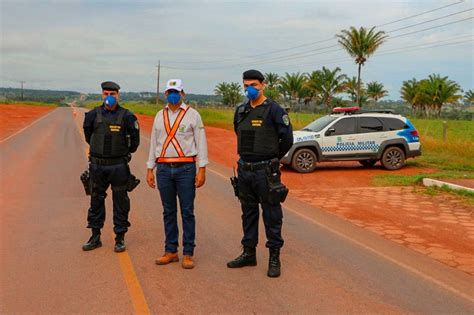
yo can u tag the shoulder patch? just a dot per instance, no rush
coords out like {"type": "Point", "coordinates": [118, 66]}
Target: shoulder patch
{"type": "Point", "coordinates": [136, 125]}
{"type": "Point", "coordinates": [286, 120]}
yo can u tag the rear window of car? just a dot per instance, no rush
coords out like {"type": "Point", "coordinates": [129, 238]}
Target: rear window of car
{"type": "Point", "coordinates": [370, 124]}
{"type": "Point", "coordinates": [394, 124]}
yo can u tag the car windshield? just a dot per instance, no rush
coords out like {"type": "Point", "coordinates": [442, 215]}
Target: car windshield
{"type": "Point", "coordinates": [320, 123]}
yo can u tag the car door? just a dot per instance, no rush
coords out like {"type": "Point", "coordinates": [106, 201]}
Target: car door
{"type": "Point", "coordinates": [339, 138]}
{"type": "Point", "coordinates": [370, 135]}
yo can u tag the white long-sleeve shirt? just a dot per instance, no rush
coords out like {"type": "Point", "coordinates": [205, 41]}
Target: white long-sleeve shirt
{"type": "Point", "coordinates": [190, 136]}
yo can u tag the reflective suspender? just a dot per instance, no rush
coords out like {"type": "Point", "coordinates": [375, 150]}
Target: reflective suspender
{"type": "Point", "coordinates": [171, 132]}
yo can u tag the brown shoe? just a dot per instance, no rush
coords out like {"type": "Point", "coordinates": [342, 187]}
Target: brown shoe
{"type": "Point", "coordinates": [188, 262]}
{"type": "Point", "coordinates": [167, 258]}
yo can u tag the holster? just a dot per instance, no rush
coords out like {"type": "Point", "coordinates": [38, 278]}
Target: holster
{"type": "Point", "coordinates": [86, 182]}
{"type": "Point", "coordinates": [133, 182]}
{"type": "Point", "coordinates": [277, 191]}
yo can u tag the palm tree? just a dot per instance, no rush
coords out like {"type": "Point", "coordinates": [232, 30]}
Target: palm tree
{"type": "Point", "coordinates": [231, 93]}
{"type": "Point", "coordinates": [325, 84]}
{"type": "Point", "coordinates": [292, 86]}
{"type": "Point", "coordinates": [351, 87]}
{"type": "Point", "coordinates": [376, 91]}
{"type": "Point", "coordinates": [431, 94]}
{"type": "Point", "coordinates": [221, 89]}
{"type": "Point", "coordinates": [438, 91]}
{"type": "Point", "coordinates": [273, 93]}
{"type": "Point", "coordinates": [410, 93]}
{"type": "Point", "coordinates": [469, 97]}
{"type": "Point", "coordinates": [272, 79]}
{"type": "Point", "coordinates": [361, 44]}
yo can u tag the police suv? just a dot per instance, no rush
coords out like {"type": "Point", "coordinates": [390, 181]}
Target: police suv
{"type": "Point", "coordinates": [353, 134]}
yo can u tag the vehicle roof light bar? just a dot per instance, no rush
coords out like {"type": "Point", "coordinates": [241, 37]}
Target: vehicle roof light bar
{"type": "Point", "coordinates": [358, 110]}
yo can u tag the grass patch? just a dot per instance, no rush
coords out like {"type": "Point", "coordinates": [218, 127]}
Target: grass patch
{"type": "Point", "coordinates": [457, 153]}
{"type": "Point", "coordinates": [31, 103]}
{"type": "Point", "coordinates": [134, 107]}
{"type": "Point", "coordinates": [417, 179]}
{"type": "Point", "coordinates": [465, 195]}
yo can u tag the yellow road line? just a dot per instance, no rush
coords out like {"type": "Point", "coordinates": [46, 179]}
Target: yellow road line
{"type": "Point", "coordinates": [135, 290]}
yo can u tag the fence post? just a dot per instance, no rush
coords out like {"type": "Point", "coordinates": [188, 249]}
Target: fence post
{"type": "Point", "coordinates": [445, 128]}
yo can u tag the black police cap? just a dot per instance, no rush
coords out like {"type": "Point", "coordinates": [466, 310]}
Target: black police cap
{"type": "Point", "coordinates": [110, 86]}
{"type": "Point", "coordinates": [253, 75]}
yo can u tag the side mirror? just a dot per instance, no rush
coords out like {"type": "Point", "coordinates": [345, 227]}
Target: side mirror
{"type": "Point", "coordinates": [329, 131]}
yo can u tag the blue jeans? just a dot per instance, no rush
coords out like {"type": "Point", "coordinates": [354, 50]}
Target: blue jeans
{"type": "Point", "coordinates": [178, 182]}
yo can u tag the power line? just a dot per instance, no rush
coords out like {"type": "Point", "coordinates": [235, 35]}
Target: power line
{"type": "Point", "coordinates": [22, 82]}
{"type": "Point", "coordinates": [309, 52]}
{"type": "Point", "coordinates": [310, 43]}
{"type": "Point", "coordinates": [305, 54]}
{"type": "Point", "coordinates": [422, 13]}
{"type": "Point", "coordinates": [429, 21]}
{"type": "Point", "coordinates": [400, 49]}
{"type": "Point", "coordinates": [433, 27]}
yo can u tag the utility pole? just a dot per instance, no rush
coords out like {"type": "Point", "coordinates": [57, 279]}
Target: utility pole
{"type": "Point", "coordinates": [158, 84]}
{"type": "Point", "coordinates": [22, 82]}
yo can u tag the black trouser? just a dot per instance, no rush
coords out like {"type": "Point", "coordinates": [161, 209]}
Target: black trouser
{"type": "Point", "coordinates": [253, 189]}
{"type": "Point", "coordinates": [102, 177]}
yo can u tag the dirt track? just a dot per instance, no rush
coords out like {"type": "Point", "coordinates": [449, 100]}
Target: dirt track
{"type": "Point", "coordinates": [329, 265]}
{"type": "Point", "coordinates": [15, 117]}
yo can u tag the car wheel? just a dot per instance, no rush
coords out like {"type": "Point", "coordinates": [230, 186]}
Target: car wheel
{"type": "Point", "coordinates": [304, 161]}
{"type": "Point", "coordinates": [368, 163]}
{"type": "Point", "coordinates": [393, 158]}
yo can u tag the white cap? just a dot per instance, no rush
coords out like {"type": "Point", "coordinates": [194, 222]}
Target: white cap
{"type": "Point", "coordinates": [174, 84]}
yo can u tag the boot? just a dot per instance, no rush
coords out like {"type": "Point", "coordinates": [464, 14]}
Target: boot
{"type": "Point", "coordinates": [167, 258]}
{"type": "Point", "coordinates": [274, 263]}
{"type": "Point", "coordinates": [188, 262]}
{"type": "Point", "coordinates": [93, 242]}
{"type": "Point", "coordinates": [119, 243]}
{"type": "Point", "coordinates": [247, 258]}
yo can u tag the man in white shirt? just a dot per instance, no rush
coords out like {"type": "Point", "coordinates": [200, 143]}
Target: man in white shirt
{"type": "Point", "coordinates": [177, 141]}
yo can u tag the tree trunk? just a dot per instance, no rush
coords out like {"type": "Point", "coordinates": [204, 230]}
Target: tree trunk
{"type": "Point", "coordinates": [358, 86]}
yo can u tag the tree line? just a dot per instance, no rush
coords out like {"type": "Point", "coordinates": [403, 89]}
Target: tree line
{"type": "Point", "coordinates": [324, 86]}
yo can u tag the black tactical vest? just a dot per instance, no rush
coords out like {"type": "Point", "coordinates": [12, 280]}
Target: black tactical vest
{"type": "Point", "coordinates": [109, 138]}
{"type": "Point", "coordinates": [256, 136]}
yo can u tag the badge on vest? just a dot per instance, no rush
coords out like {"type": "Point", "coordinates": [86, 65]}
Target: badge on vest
{"type": "Point", "coordinates": [115, 128]}
{"type": "Point", "coordinates": [257, 123]}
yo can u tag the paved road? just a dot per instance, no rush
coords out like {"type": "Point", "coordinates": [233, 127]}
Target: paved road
{"type": "Point", "coordinates": [329, 265]}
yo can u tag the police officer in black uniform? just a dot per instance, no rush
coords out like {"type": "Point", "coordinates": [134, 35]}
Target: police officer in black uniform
{"type": "Point", "coordinates": [264, 135]}
{"type": "Point", "coordinates": [113, 134]}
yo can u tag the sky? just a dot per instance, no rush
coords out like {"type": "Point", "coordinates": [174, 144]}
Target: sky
{"type": "Point", "coordinates": [76, 44]}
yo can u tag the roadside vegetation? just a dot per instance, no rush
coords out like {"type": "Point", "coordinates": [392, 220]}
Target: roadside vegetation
{"type": "Point", "coordinates": [32, 103]}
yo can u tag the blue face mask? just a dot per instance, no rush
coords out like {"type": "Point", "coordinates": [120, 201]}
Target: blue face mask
{"type": "Point", "coordinates": [173, 98]}
{"type": "Point", "coordinates": [251, 93]}
{"type": "Point", "coordinates": [110, 101]}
